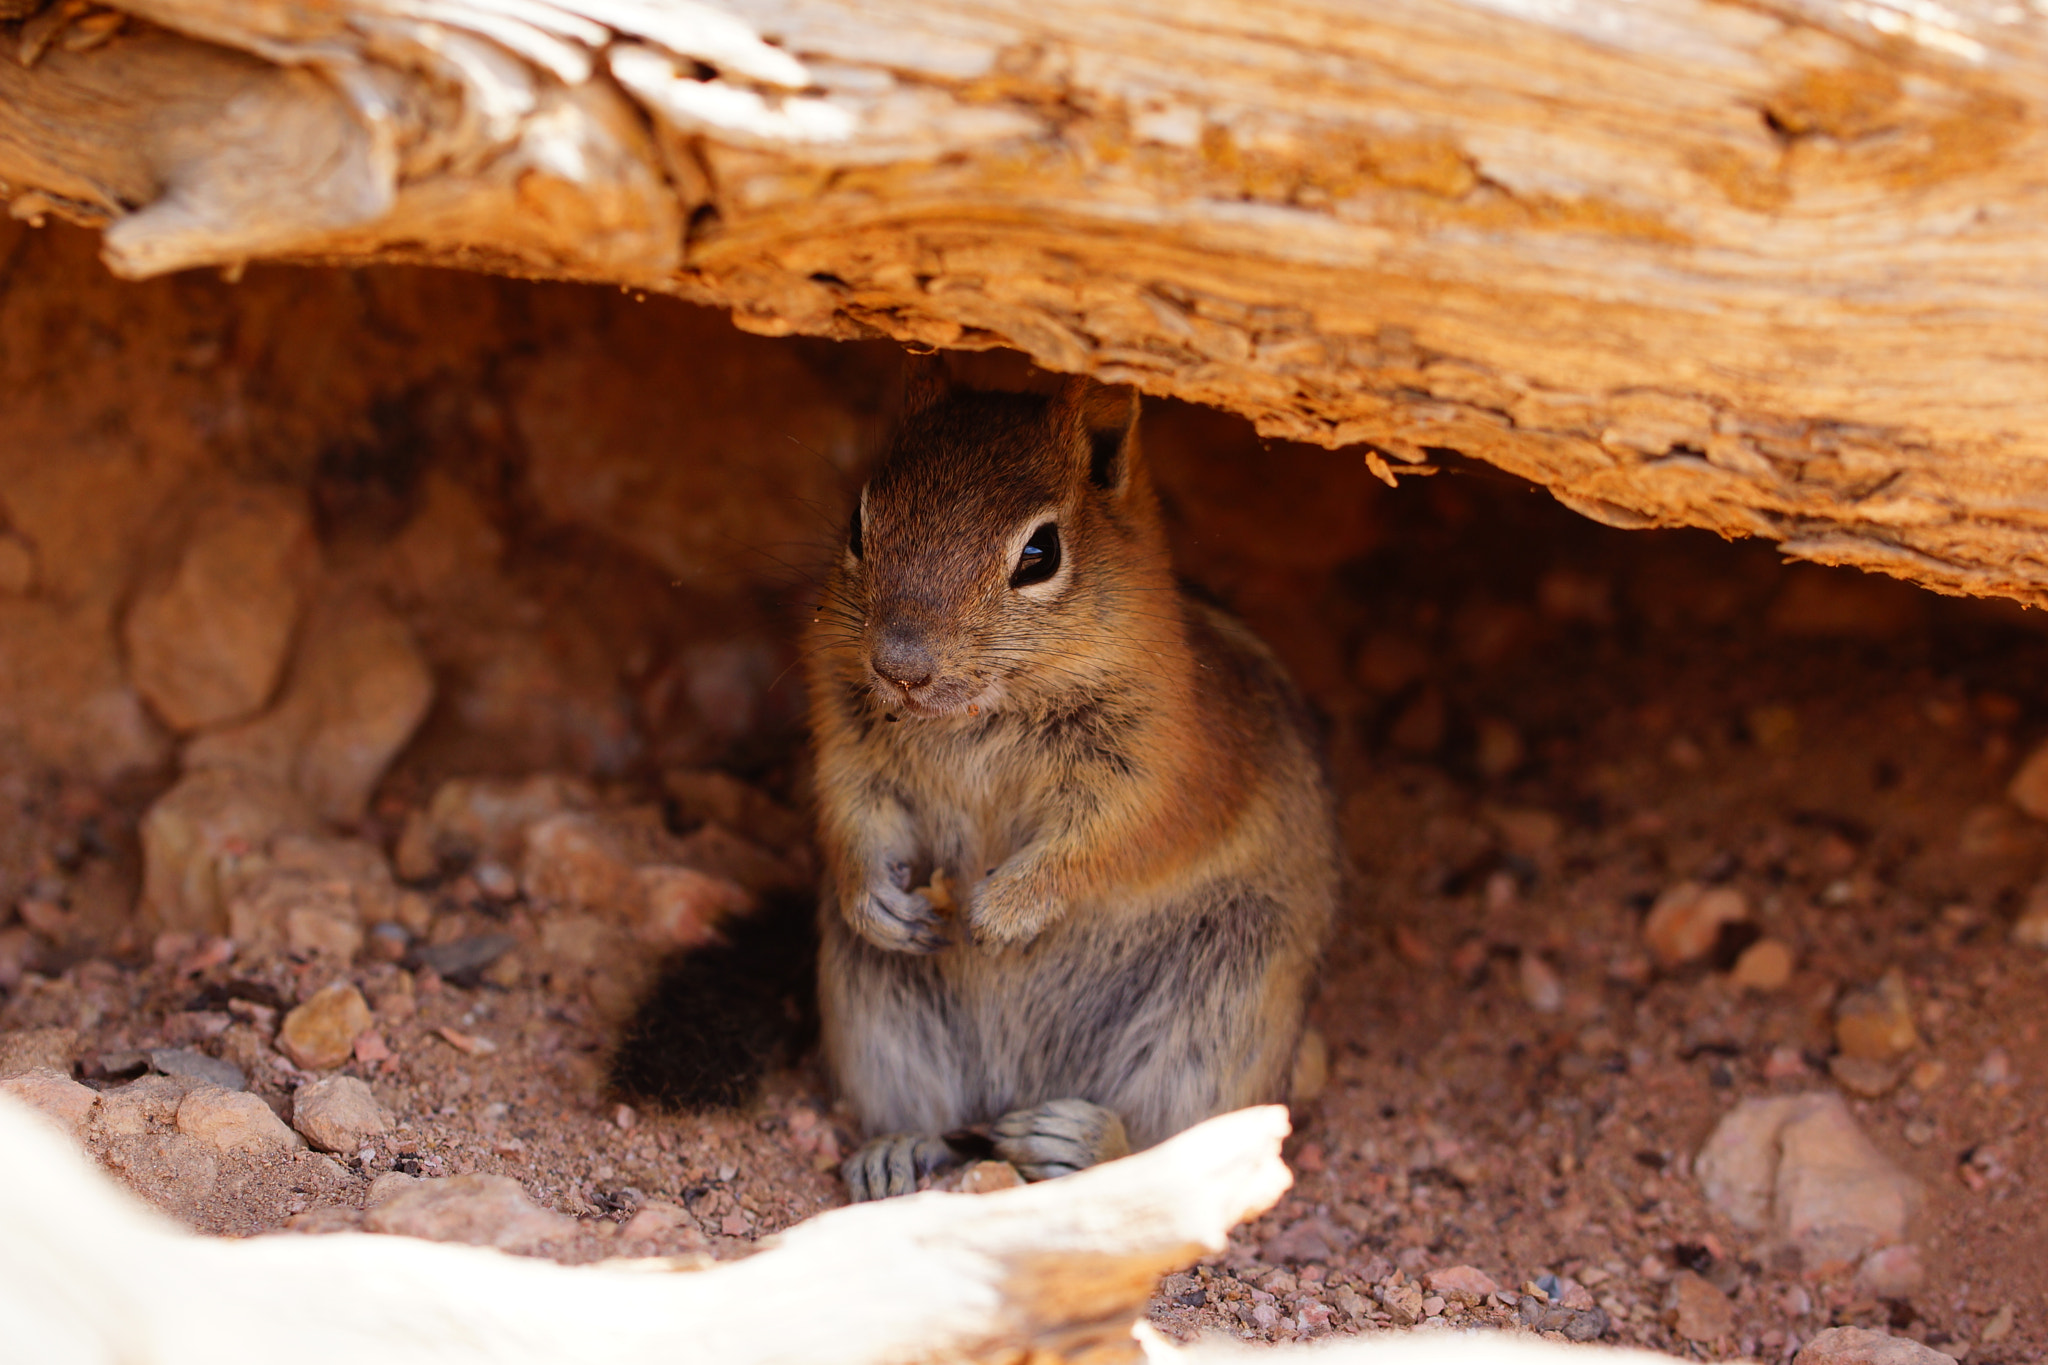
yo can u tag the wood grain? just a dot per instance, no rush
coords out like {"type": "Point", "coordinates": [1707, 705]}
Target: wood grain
{"type": "Point", "coordinates": [1775, 269]}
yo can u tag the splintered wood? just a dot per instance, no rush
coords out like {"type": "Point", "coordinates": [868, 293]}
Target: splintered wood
{"type": "Point", "coordinates": [1774, 271]}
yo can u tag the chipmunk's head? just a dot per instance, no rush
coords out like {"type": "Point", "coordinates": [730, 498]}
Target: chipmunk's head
{"type": "Point", "coordinates": [1007, 546]}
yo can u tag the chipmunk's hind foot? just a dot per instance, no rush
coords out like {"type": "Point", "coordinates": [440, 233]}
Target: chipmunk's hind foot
{"type": "Point", "coordinates": [1060, 1137]}
{"type": "Point", "coordinates": [889, 1166]}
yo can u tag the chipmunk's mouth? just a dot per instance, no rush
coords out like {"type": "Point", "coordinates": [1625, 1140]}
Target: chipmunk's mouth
{"type": "Point", "coordinates": [938, 700]}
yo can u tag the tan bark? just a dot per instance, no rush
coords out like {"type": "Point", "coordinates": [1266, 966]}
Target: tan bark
{"type": "Point", "coordinates": [1770, 268]}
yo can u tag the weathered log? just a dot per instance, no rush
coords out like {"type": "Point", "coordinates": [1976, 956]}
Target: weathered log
{"type": "Point", "coordinates": [1774, 269]}
{"type": "Point", "coordinates": [1054, 1272]}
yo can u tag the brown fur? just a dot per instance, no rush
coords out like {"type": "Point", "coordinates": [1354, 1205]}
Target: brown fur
{"type": "Point", "coordinates": [1115, 778]}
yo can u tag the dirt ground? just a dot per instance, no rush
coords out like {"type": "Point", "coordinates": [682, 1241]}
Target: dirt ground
{"type": "Point", "coordinates": [1538, 727]}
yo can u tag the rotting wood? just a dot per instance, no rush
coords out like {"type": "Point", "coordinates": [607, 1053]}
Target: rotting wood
{"type": "Point", "coordinates": [1775, 269]}
{"type": "Point", "coordinates": [1054, 1272]}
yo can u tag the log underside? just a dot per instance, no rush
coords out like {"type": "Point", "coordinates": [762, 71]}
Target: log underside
{"type": "Point", "coordinates": [1772, 269]}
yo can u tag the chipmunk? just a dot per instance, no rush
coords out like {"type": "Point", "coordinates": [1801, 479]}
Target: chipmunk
{"type": "Point", "coordinates": [1011, 697]}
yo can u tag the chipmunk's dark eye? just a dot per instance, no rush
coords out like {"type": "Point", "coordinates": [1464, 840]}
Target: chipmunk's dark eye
{"type": "Point", "coordinates": [853, 534]}
{"type": "Point", "coordinates": [1040, 559]}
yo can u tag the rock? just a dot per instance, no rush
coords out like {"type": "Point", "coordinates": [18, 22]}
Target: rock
{"type": "Point", "coordinates": [669, 1224]}
{"type": "Point", "coordinates": [1576, 1324]}
{"type": "Point", "coordinates": [749, 470]}
{"type": "Point", "coordinates": [1403, 1303]}
{"type": "Point", "coordinates": [357, 689]}
{"type": "Point", "coordinates": [174, 1171]}
{"type": "Point", "coordinates": [1861, 1346]}
{"type": "Point", "coordinates": [1699, 1312]}
{"type": "Point", "coordinates": [1687, 919]}
{"type": "Point", "coordinates": [684, 906]}
{"type": "Point", "coordinates": [1387, 663]}
{"type": "Point", "coordinates": [2030, 930]}
{"type": "Point", "coordinates": [986, 1177]}
{"type": "Point", "coordinates": [471, 954]}
{"type": "Point", "coordinates": [17, 954]}
{"type": "Point", "coordinates": [1464, 1283]}
{"type": "Point", "coordinates": [234, 1121]}
{"type": "Point", "coordinates": [311, 896]}
{"type": "Point", "coordinates": [480, 1210]}
{"type": "Point", "coordinates": [701, 796]}
{"type": "Point", "coordinates": [586, 861]}
{"type": "Point", "coordinates": [197, 837]}
{"type": "Point", "coordinates": [65, 697]}
{"type": "Point", "coordinates": [388, 1187]}
{"type": "Point", "coordinates": [321, 1033]}
{"type": "Point", "coordinates": [1876, 1023]}
{"type": "Point", "coordinates": [338, 1114]}
{"type": "Point", "coordinates": [197, 1066]}
{"type": "Point", "coordinates": [1999, 1327]}
{"type": "Point", "coordinates": [141, 1106]}
{"type": "Point", "coordinates": [55, 1096]}
{"type": "Point", "coordinates": [52, 1049]}
{"type": "Point", "coordinates": [2029, 786]}
{"type": "Point", "coordinates": [472, 818]}
{"type": "Point", "coordinates": [1497, 747]}
{"type": "Point", "coordinates": [1799, 1166]}
{"type": "Point", "coordinates": [1304, 1242]}
{"type": "Point", "coordinates": [208, 632]}
{"type": "Point", "coordinates": [1540, 985]}
{"type": "Point", "coordinates": [1862, 1077]}
{"type": "Point", "coordinates": [1894, 1272]}
{"type": "Point", "coordinates": [1765, 965]}
{"type": "Point", "coordinates": [716, 850]}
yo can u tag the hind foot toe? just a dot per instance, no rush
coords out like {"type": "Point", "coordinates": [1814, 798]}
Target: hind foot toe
{"type": "Point", "coordinates": [892, 1165]}
{"type": "Point", "coordinates": [1059, 1137]}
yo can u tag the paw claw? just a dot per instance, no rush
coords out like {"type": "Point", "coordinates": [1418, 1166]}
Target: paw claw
{"type": "Point", "coordinates": [1060, 1137]}
{"type": "Point", "coordinates": [889, 1166]}
{"type": "Point", "coordinates": [901, 921]}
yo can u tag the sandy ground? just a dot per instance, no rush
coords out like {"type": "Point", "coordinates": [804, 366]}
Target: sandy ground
{"type": "Point", "coordinates": [1528, 759]}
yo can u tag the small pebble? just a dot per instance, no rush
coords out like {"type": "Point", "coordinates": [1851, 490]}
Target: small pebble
{"type": "Point", "coordinates": [495, 880]}
{"type": "Point", "coordinates": [1894, 1272]}
{"type": "Point", "coordinates": [321, 1033]}
{"type": "Point", "coordinates": [1701, 1313]}
{"type": "Point", "coordinates": [234, 1121]}
{"type": "Point", "coordinates": [1861, 1346]}
{"type": "Point", "coordinates": [1876, 1023]}
{"type": "Point", "coordinates": [1540, 985]}
{"type": "Point", "coordinates": [1463, 1282]}
{"type": "Point", "coordinates": [197, 1066]}
{"type": "Point", "coordinates": [338, 1114]}
{"type": "Point", "coordinates": [475, 1044]}
{"type": "Point", "coordinates": [481, 1210]}
{"type": "Point", "coordinates": [1863, 1077]}
{"type": "Point", "coordinates": [1765, 965]}
{"type": "Point", "coordinates": [471, 954]}
{"type": "Point", "coordinates": [1686, 921]}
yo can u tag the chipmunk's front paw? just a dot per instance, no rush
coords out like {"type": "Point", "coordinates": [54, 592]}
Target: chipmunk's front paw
{"type": "Point", "coordinates": [1060, 1137]}
{"type": "Point", "coordinates": [891, 916]}
{"type": "Point", "coordinates": [1008, 908]}
{"type": "Point", "coordinates": [892, 1165]}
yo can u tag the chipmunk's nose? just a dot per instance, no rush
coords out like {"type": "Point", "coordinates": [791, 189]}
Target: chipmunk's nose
{"type": "Point", "coordinates": [902, 656]}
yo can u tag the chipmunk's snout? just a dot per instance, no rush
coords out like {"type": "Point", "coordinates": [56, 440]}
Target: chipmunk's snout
{"type": "Point", "coordinates": [903, 655]}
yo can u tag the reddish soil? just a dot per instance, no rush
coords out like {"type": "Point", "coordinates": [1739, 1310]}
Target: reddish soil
{"type": "Point", "coordinates": [1537, 726]}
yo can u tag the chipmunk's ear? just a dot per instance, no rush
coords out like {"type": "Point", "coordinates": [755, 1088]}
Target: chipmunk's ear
{"type": "Point", "coordinates": [926, 382]}
{"type": "Point", "coordinates": [1102, 422]}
